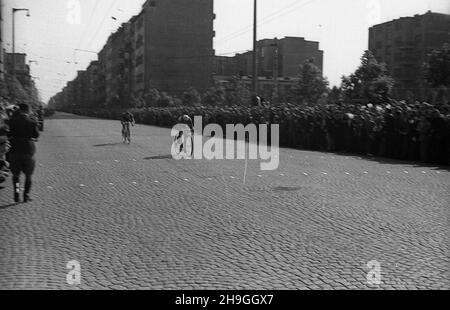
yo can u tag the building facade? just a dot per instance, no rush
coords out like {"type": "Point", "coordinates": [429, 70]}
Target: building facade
{"type": "Point", "coordinates": [403, 45]}
{"type": "Point", "coordinates": [276, 58]}
{"type": "Point", "coordinates": [2, 65]}
{"type": "Point", "coordinates": [178, 45]}
{"type": "Point", "coordinates": [21, 68]}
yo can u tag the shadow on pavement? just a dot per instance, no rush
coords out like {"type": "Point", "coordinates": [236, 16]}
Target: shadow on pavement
{"type": "Point", "coordinates": [159, 157]}
{"type": "Point", "coordinates": [9, 206]}
{"type": "Point", "coordinates": [58, 116]}
{"type": "Point", "coordinates": [391, 161]}
{"type": "Point", "coordinates": [107, 144]}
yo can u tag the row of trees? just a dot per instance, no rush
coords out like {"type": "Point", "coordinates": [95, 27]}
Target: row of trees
{"type": "Point", "coordinates": [12, 92]}
{"type": "Point", "coordinates": [371, 82]}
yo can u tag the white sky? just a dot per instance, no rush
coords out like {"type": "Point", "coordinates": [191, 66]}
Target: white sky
{"type": "Point", "coordinates": [341, 27]}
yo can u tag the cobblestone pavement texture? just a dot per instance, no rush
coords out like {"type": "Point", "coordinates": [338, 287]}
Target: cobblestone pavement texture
{"type": "Point", "coordinates": [136, 219]}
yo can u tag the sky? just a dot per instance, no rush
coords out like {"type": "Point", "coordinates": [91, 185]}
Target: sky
{"type": "Point", "coordinates": [54, 33]}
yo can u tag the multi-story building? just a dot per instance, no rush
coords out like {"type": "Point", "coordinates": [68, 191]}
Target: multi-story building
{"type": "Point", "coordinates": [177, 41]}
{"type": "Point", "coordinates": [96, 84]}
{"type": "Point", "coordinates": [2, 65]}
{"type": "Point", "coordinates": [278, 64]}
{"type": "Point", "coordinates": [21, 68]}
{"type": "Point", "coordinates": [403, 45]}
{"type": "Point", "coordinates": [114, 60]}
{"type": "Point", "coordinates": [283, 56]}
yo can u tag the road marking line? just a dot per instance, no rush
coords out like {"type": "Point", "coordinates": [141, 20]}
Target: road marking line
{"type": "Point", "coordinates": [259, 176]}
{"type": "Point", "coordinates": [82, 185]}
{"type": "Point", "coordinates": [406, 172]}
{"type": "Point", "coordinates": [111, 183]}
{"type": "Point", "coordinates": [424, 172]}
{"type": "Point", "coordinates": [347, 173]}
{"type": "Point", "coordinates": [388, 172]}
{"type": "Point", "coordinates": [305, 173]}
{"type": "Point", "coordinates": [232, 177]}
{"type": "Point", "coordinates": [156, 181]}
{"type": "Point", "coordinates": [324, 173]}
{"type": "Point", "coordinates": [186, 179]}
{"type": "Point", "coordinates": [365, 172]}
{"type": "Point", "coordinates": [135, 183]}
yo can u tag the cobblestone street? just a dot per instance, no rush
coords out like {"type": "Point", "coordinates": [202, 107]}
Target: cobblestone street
{"type": "Point", "coordinates": [137, 219]}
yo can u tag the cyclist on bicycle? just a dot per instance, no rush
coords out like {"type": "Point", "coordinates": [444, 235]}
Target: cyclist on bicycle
{"type": "Point", "coordinates": [126, 119]}
{"type": "Point", "coordinates": [186, 120]}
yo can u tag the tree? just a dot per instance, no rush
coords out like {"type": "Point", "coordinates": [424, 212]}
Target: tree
{"type": "Point", "coordinates": [192, 97]}
{"type": "Point", "coordinates": [311, 85]}
{"type": "Point", "coordinates": [237, 93]}
{"type": "Point", "coordinates": [369, 83]}
{"type": "Point", "coordinates": [165, 100]}
{"type": "Point", "coordinates": [334, 96]}
{"type": "Point", "coordinates": [215, 96]}
{"type": "Point", "coordinates": [152, 98]}
{"type": "Point", "coordinates": [437, 67]}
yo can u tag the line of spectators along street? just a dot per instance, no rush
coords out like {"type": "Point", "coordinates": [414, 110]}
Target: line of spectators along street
{"type": "Point", "coordinates": [416, 132]}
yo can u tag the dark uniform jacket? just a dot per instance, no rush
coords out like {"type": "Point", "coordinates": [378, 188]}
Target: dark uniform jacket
{"type": "Point", "coordinates": [22, 129]}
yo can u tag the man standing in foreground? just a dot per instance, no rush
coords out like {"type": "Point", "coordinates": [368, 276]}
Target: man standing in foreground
{"type": "Point", "coordinates": [23, 131]}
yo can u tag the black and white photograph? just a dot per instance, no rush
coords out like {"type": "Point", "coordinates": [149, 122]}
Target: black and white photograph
{"type": "Point", "coordinates": [247, 147]}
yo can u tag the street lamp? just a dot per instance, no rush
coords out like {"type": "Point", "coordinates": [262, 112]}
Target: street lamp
{"type": "Point", "coordinates": [14, 10]}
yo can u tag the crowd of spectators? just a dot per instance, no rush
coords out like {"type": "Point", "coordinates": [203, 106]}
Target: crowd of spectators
{"type": "Point", "coordinates": [398, 130]}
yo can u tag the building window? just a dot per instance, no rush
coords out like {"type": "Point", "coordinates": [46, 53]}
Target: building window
{"type": "Point", "coordinates": [140, 41]}
{"type": "Point", "coordinates": [140, 78]}
{"type": "Point", "coordinates": [140, 22]}
{"type": "Point", "coordinates": [139, 60]}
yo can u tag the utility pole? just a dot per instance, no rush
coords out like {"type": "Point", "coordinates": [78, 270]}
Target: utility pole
{"type": "Point", "coordinates": [255, 50]}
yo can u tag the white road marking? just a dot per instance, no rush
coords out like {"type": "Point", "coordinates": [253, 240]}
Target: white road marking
{"type": "Point", "coordinates": [424, 172]}
{"type": "Point", "coordinates": [365, 172]}
{"type": "Point", "coordinates": [305, 173]}
{"type": "Point", "coordinates": [324, 173]}
{"type": "Point", "coordinates": [388, 172]}
{"type": "Point", "coordinates": [259, 176]}
{"type": "Point", "coordinates": [232, 177]}
{"type": "Point", "coordinates": [82, 185]}
{"type": "Point", "coordinates": [347, 173]}
{"type": "Point", "coordinates": [406, 172]}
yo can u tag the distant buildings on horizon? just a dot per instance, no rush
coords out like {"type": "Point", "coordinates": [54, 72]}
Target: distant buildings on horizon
{"type": "Point", "coordinates": [403, 45]}
{"type": "Point", "coordinates": [169, 46]}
